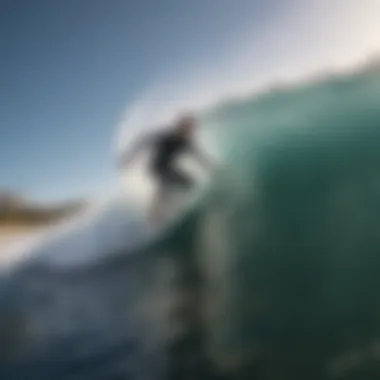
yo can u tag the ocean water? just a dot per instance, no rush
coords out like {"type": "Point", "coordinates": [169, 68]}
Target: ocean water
{"type": "Point", "coordinates": [273, 274]}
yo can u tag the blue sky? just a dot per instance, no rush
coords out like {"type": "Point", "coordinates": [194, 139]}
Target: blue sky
{"type": "Point", "coordinates": [69, 70]}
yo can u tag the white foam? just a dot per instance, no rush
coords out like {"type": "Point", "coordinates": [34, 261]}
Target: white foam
{"type": "Point", "coordinates": [101, 231]}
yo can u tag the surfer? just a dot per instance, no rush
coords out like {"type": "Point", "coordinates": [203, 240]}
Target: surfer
{"type": "Point", "coordinates": [167, 147]}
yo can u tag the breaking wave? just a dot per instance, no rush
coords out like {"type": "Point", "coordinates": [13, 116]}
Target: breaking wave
{"type": "Point", "coordinates": [274, 273]}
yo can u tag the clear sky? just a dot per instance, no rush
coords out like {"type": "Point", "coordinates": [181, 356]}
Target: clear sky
{"type": "Point", "coordinates": [71, 69]}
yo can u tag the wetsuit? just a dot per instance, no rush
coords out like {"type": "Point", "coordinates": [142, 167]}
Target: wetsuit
{"type": "Point", "coordinates": [166, 149]}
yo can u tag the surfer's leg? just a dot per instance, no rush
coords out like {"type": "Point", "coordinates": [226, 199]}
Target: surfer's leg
{"type": "Point", "coordinates": [179, 178]}
{"type": "Point", "coordinates": [158, 206]}
{"type": "Point", "coordinates": [168, 181]}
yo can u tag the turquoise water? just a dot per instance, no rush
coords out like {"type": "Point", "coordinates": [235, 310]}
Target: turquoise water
{"type": "Point", "coordinates": [290, 245]}
{"type": "Point", "coordinates": [274, 274]}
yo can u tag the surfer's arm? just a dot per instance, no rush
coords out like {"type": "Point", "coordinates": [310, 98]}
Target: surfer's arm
{"type": "Point", "coordinates": [141, 144]}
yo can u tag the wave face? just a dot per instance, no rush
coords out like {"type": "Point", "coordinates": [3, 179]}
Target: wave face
{"type": "Point", "coordinates": [273, 275]}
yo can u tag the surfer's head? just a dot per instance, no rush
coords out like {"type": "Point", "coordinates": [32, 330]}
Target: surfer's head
{"type": "Point", "coordinates": [186, 125]}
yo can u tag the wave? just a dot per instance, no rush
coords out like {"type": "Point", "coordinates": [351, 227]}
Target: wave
{"type": "Point", "coordinates": [274, 273]}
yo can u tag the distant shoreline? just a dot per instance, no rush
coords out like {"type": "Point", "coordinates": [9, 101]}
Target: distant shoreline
{"type": "Point", "coordinates": [31, 217]}
{"type": "Point", "coordinates": [18, 223]}
{"type": "Point", "coordinates": [11, 232]}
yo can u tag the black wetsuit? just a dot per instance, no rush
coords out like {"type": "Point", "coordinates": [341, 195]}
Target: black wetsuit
{"type": "Point", "coordinates": [167, 147]}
